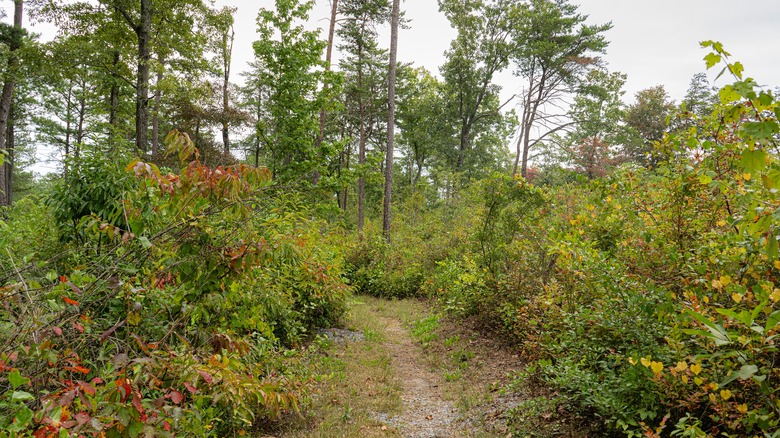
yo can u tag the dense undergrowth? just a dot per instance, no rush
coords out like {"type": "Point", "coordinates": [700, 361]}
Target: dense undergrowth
{"type": "Point", "coordinates": [142, 302]}
{"type": "Point", "coordinates": [648, 299]}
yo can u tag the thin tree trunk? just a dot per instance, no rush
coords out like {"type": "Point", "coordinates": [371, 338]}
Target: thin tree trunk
{"type": "Point", "coordinates": [157, 108]}
{"type": "Point", "coordinates": [142, 91]}
{"type": "Point", "coordinates": [361, 142]}
{"type": "Point", "coordinates": [227, 56]}
{"type": "Point", "coordinates": [386, 214]}
{"type": "Point", "coordinates": [328, 58]}
{"type": "Point", "coordinates": [113, 104]}
{"type": "Point", "coordinates": [6, 100]}
{"type": "Point", "coordinates": [10, 144]}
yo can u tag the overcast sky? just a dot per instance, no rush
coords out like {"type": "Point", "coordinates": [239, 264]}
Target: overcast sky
{"type": "Point", "coordinates": [653, 42]}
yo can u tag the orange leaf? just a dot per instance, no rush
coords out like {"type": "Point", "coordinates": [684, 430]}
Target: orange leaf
{"type": "Point", "coordinates": [69, 301]}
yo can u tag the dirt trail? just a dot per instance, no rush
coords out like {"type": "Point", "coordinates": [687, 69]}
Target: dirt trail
{"type": "Point", "coordinates": [426, 413]}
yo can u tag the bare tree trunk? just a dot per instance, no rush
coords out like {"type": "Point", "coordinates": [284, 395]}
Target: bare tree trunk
{"type": "Point", "coordinates": [142, 91]}
{"type": "Point", "coordinates": [6, 170]}
{"type": "Point", "coordinates": [113, 104]}
{"type": "Point", "coordinates": [10, 144]}
{"type": "Point", "coordinates": [328, 58]}
{"type": "Point", "coordinates": [157, 108]}
{"type": "Point", "coordinates": [386, 214]}
{"type": "Point", "coordinates": [361, 143]}
{"type": "Point", "coordinates": [227, 56]}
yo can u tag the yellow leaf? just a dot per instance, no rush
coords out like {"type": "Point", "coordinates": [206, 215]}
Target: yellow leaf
{"type": "Point", "coordinates": [713, 398]}
{"type": "Point", "coordinates": [697, 381]}
{"type": "Point", "coordinates": [716, 284]}
{"type": "Point", "coordinates": [685, 378]}
{"type": "Point", "coordinates": [657, 367]}
{"type": "Point", "coordinates": [736, 297]}
{"type": "Point", "coordinates": [725, 280]}
{"type": "Point", "coordinates": [706, 299]}
{"type": "Point", "coordinates": [775, 295]}
{"type": "Point", "coordinates": [725, 394]}
{"type": "Point", "coordinates": [682, 366]}
{"type": "Point", "coordinates": [747, 176]}
{"type": "Point", "coordinates": [742, 408]}
{"type": "Point", "coordinates": [632, 361]}
{"type": "Point", "coordinates": [645, 361]}
{"type": "Point", "coordinates": [777, 264]}
{"type": "Point", "coordinates": [721, 223]}
{"type": "Point", "coordinates": [696, 368]}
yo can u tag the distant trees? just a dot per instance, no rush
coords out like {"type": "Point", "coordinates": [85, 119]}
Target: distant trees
{"type": "Point", "coordinates": [648, 117]}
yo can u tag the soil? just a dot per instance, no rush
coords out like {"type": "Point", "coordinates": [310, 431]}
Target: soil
{"type": "Point", "coordinates": [426, 413]}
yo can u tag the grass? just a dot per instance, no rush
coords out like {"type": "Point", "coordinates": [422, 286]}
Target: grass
{"type": "Point", "coordinates": [356, 385]}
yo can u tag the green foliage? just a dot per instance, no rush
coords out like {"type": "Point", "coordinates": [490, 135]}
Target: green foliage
{"type": "Point", "coordinates": [179, 322]}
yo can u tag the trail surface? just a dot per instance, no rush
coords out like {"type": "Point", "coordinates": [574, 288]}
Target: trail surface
{"type": "Point", "coordinates": [426, 414]}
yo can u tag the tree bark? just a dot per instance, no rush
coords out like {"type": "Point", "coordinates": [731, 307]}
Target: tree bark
{"type": "Point", "coordinates": [386, 214]}
{"type": "Point", "coordinates": [113, 105]}
{"type": "Point", "coordinates": [143, 30]}
{"type": "Point", "coordinates": [227, 56]}
{"type": "Point", "coordinates": [6, 170]}
{"type": "Point", "coordinates": [157, 108]}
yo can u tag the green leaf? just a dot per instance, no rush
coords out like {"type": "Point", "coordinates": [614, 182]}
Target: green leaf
{"type": "Point", "coordinates": [17, 379]}
{"type": "Point", "coordinates": [753, 161]}
{"type": "Point", "coordinates": [711, 59]}
{"type": "Point", "coordinates": [744, 373]}
{"type": "Point", "coordinates": [728, 94]}
{"type": "Point", "coordinates": [771, 247]}
{"type": "Point", "coordinates": [772, 321]}
{"type": "Point", "coordinates": [145, 242]}
{"type": "Point", "coordinates": [737, 68]}
{"type": "Point", "coordinates": [705, 179]}
{"type": "Point", "coordinates": [21, 396]}
{"type": "Point", "coordinates": [23, 417]}
{"type": "Point", "coordinates": [135, 429]}
{"type": "Point", "coordinates": [716, 332]}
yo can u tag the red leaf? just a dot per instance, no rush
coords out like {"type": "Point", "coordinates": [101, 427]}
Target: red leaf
{"type": "Point", "coordinates": [69, 301]}
{"type": "Point", "coordinates": [57, 330]}
{"type": "Point", "coordinates": [63, 279]}
{"type": "Point", "coordinates": [67, 398]}
{"type": "Point", "coordinates": [167, 426]}
{"type": "Point", "coordinates": [78, 327]}
{"type": "Point", "coordinates": [86, 387]}
{"type": "Point", "coordinates": [81, 369]}
{"type": "Point", "coordinates": [82, 417]}
{"type": "Point", "coordinates": [97, 381]}
{"type": "Point", "coordinates": [206, 376]}
{"type": "Point", "coordinates": [85, 400]}
{"type": "Point", "coordinates": [175, 396]}
{"type": "Point", "coordinates": [137, 402]}
{"type": "Point", "coordinates": [190, 388]}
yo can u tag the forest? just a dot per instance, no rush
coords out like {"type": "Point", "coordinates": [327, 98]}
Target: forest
{"type": "Point", "coordinates": [175, 275]}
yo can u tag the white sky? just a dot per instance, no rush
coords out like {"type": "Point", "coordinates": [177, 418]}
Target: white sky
{"type": "Point", "coordinates": [654, 42]}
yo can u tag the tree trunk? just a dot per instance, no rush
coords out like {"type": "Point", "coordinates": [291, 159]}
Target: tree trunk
{"type": "Point", "coordinates": [361, 142]}
{"type": "Point", "coordinates": [227, 56]}
{"type": "Point", "coordinates": [386, 214]}
{"type": "Point", "coordinates": [113, 104]}
{"type": "Point", "coordinates": [328, 58]}
{"type": "Point", "coordinates": [6, 171]}
{"type": "Point", "coordinates": [157, 108]}
{"type": "Point", "coordinates": [10, 144]}
{"type": "Point", "coordinates": [142, 87]}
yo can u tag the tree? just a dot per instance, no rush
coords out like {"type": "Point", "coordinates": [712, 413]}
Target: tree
{"type": "Point", "coordinates": [700, 99]}
{"type": "Point", "coordinates": [386, 214]}
{"type": "Point", "coordinates": [361, 65]}
{"type": "Point", "coordinates": [425, 133]}
{"type": "Point", "coordinates": [648, 116]}
{"type": "Point", "coordinates": [480, 50]}
{"type": "Point", "coordinates": [598, 112]}
{"type": "Point", "coordinates": [13, 39]}
{"type": "Point", "coordinates": [289, 62]}
{"type": "Point", "coordinates": [552, 51]}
